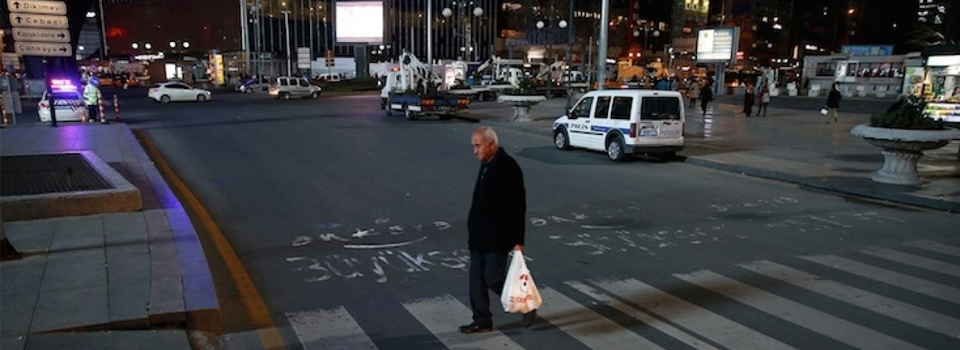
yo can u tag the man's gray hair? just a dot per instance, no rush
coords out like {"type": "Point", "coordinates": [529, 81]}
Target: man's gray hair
{"type": "Point", "coordinates": [488, 134]}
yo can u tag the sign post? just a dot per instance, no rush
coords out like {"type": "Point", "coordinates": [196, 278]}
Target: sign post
{"type": "Point", "coordinates": [719, 46]}
{"type": "Point", "coordinates": [40, 28]}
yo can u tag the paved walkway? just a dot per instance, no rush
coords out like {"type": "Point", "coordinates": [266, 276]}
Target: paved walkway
{"type": "Point", "coordinates": [791, 145]}
{"type": "Point", "coordinates": [81, 276]}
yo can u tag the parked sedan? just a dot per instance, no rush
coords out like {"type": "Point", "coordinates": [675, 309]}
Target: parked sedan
{"type": "Point", "coordinates": [69, 106]}
{"type": "Point", "coordinates": [176, 91]}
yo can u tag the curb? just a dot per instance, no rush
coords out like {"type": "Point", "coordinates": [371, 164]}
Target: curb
{"type": "Point", "coordinates": [950, 207]}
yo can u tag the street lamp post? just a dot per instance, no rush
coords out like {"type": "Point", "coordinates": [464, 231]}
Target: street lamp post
{"type": "Point", "coordinates": [286, 19]}
{"type": "Point", "coordinates": [602, 52]}
{"type": "Point", "coordinates": [467, 36]}
{"type": "Point", "coordinates": [540, 26]}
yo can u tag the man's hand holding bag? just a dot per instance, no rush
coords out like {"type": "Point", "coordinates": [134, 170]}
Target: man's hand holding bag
{"type": "Point", "coordinates": [520, 294]}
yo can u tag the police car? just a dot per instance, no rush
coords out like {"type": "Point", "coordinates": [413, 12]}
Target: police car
{"type": "Point", "coordinates": [622, 122]}
{"type": "Point", "coordinates": [69, 105]}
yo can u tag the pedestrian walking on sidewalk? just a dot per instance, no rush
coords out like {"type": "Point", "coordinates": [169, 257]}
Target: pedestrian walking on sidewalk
{"type": "Point", "coordinates": [749, 97]}
{"type": "Point", "coordinates": [706, 95]}
{"type": "Point", "coordinates": [764, 101]}
{"type": "Point", "coordinates": [833, 103]}
{"type": "Point", "coordinates": [91, 97]}
{"type": "Point", "coordinates": [693, 91]}
{"type": "Point", "coordinates": [496, 226]}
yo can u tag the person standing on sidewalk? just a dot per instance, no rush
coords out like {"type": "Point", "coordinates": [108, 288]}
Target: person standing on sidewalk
{"type": "Point", "coordinates": [496, 226]}
{"type": "Point", "coordinates": [91, 97]}
{"type": "Point", "coordinates": [764, 101]}
{"type": "Point", "coordinates": [693, 91]}
{"type": "Point", "coordinates": [706, 95]}
{"type": "Point", "coordinates": [749, 97]}
{"type": "Point", "coordinates": [833, 103]}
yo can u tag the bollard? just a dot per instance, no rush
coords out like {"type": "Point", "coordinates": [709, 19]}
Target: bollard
{"type": "Point", "coordinates": [116, 107]}
{"type": "Point", "coordinates": [103, 117]}
{"type": "Point", "coordinates": [83, 112]}
{"type": "Point", "coordinates": [3, 111]}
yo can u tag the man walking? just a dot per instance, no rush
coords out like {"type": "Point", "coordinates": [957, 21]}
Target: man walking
{"type": "Point", "coordinates": [706, 95]}
{"type": "Point", "coordinates": [833, 103]}
{"type": "Point", "coordinates": [495, 225]}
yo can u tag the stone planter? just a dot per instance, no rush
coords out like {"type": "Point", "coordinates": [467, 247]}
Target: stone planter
{"type": "Point", "coordinates": [521, 105]}
{"type": "Point", "coordinates": [902, 149]}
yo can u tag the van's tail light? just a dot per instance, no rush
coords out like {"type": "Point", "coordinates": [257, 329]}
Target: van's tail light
{"type": "Point", "coordinates": [633, 130]}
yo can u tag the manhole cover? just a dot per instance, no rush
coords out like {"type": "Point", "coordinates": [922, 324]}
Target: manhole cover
{"type": "Point", "coordinates": [48, 173]}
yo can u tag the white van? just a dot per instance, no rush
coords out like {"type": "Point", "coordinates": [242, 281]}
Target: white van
{"type": "Point", "coordinates": [623, 122]}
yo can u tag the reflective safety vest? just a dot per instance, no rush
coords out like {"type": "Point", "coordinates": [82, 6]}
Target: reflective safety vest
{"type": "Point", "coordinates": [91, 94]}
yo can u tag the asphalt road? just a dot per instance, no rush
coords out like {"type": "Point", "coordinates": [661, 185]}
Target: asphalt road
{"type": "Point", "coordinates": [353, 227]}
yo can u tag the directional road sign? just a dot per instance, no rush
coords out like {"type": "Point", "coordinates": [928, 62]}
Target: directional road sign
{"type": "Point", "coordinates": [45, 35]}
{"type": "Point", "coordinates": [43, 49]}
{"type": "Point", "coordinates": [38, 21]}
{"type": "Point", "coordinates": [37, 6]}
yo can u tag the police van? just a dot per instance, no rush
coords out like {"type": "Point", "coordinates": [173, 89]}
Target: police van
{"type": "Point", "coordinates": [622, 122]}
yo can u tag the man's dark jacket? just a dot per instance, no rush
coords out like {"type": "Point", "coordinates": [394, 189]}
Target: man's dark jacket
{"type": "Point", "coordinates": [498, 213]}
{"type": "Point", "coordinates": [833, 100]}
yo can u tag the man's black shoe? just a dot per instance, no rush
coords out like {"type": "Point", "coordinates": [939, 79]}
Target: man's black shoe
{"type": "Point", "coordinates": [475, 328]}
{"type": "Point", "coordinates": [529, 317]}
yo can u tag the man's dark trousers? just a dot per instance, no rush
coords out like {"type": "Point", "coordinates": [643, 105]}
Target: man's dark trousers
{"type": "Point", "coordinates": [93, 112]}
{"type": "Point", "coordinates": [487, 271]}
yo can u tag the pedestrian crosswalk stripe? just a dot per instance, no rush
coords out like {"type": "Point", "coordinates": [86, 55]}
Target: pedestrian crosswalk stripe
{"type": "Point", "coordinates": [587, 326]}
{"type": "Point", "coordinates": [936, 247]}
{"type": "Point", "coordinates": [896, 279]}
{"type": "Point", "coordinates": [329, 329]}
{"type": "Point", "coordinates": [820, 322]}
{"type": "Point", "coordinates": [442, 316]}
{"type": "Point", "coordinates": [889, 307]}
{"type": "Point", "coordinates": [651, 321]}
{"type": "Point", "coordinates": [719, 329]}
{"type": "Point", "coordinates": [915, 261]}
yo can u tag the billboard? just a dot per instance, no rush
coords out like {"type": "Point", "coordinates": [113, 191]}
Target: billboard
{"type": "Point", "coordinates": [359, 22]}
{"type": "Point", "coordinates": [717, 44]}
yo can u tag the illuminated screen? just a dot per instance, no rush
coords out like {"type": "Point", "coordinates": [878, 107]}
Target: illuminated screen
{"type": "Point", "coordinates": [716, 45]}
{"type": "Point", "coordinates": [359, 22]}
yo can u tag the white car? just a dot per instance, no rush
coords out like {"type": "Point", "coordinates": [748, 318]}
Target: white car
{"type": "Point", "coordinates": [69, 106]}
{"type": "Point", "coordinates": [176, 91]}
{"type": "Point", "coordinates": [622, 122]}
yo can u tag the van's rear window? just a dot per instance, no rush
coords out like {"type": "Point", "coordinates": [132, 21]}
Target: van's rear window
{"type": "Point", "coordinates": [660, 108]}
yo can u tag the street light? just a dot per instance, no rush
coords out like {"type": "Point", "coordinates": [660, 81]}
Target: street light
{"type": "Point", "coordinates": [186, 44]}
{"type": "Point", "coordinates": [468, 38]}
{"type": "Point", "coordinates": [135, 46]}
{"type": "Point", "coordinates": [147, 46]}
{"type": "Point", "coordinates": [540, 26]}
{"type": "Point", "coordinates": [286, 19]}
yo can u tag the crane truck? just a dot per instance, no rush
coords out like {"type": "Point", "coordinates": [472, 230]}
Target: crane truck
{"type": "Point", "coordinates": [411, 89]}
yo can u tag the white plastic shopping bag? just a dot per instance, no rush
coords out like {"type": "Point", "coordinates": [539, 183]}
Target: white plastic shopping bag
{"type": "Point", "coordinates": [520, 294]}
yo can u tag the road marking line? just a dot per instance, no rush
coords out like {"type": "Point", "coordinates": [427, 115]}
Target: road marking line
{"type": "Point", "coordinates": [704, 322]}
{"type": "Point", "coordinates": [329, 329]}
{"type": "Point", "coordinates": [256, 308]}
{"type": "Point", "coordinates": [885, 306]}
{"type": "Point", "coordinates": [820, 322]}
{"type": "Point", "coordinates": [936, 247]}
{"type": "Point", "coordinates": [914, 260]}
{"type": "Point", "coordinates": [651, 321]}
{"type": "Point", "coordinates": [896, 279]}
{"type": "Point", "coordinates": [441, 316]}
{"type": "Point", "coordinates": [587, 326]}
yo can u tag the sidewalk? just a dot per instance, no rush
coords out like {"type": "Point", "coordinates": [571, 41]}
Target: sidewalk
{"type": "Point", "coordinates": [790, 145]}
{"type": "Point", "coordinates": [104, 281]}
